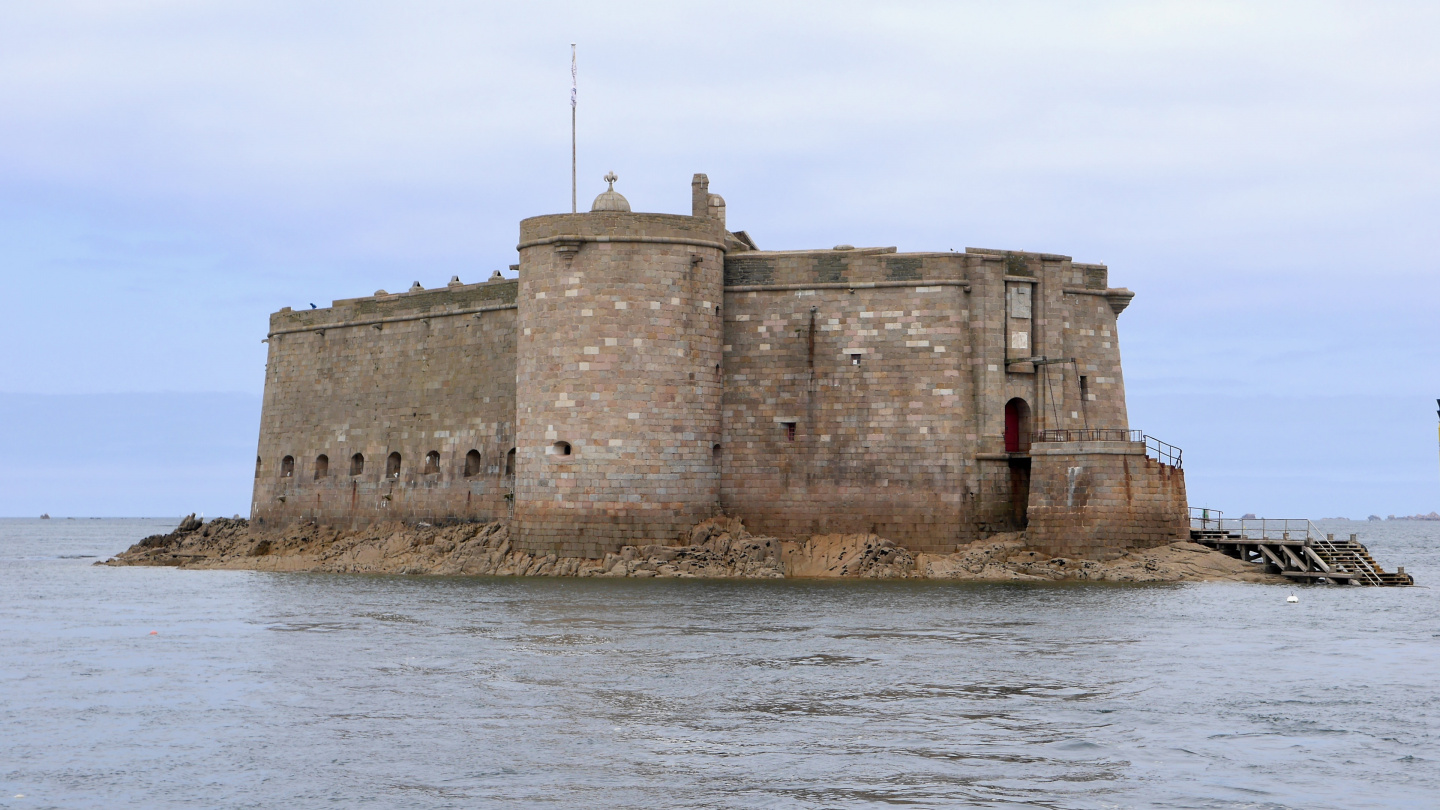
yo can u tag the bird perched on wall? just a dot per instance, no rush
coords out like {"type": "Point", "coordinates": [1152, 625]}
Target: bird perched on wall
{"type": "Point", "coordinates": [312, 306]}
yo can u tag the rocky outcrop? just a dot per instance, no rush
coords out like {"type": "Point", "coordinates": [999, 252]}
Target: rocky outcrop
{"type": "Point", "coordinates": [717, 548]}
{"type": "Point", "coordinates": [848, 555]}
{"type": "Point", "coordinates": [1005, 558]}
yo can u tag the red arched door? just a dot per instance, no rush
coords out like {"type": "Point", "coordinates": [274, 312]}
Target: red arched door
{"type": "Point", "coordinates": [1017, 426]}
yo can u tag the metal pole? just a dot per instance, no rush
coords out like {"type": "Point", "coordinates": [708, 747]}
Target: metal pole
{"type": "Point", "coordinates": [573, 86]}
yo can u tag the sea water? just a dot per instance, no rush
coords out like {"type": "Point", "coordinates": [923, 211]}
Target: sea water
{"type": "Point", "coordinates": [161, 688]}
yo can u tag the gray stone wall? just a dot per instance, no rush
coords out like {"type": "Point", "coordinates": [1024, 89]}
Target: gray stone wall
{"type": "Point", "coordinates": [847, 409]}
{"type": "Point", "coordinates": [618, 380]}
{"type": "Point", "coordinates": [414, 373]}
{"type": "Point", "coordinates": [1099, 499]}
{"type": "Point", "coordinates": [897, 392]}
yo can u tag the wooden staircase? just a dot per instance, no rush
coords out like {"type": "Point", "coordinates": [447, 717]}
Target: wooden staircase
{"type": "Point", "coordinates": [1293, 548]}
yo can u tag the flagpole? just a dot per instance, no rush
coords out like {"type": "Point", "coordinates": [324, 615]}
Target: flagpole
{"type": "Point", "coordinates": [572, 128]}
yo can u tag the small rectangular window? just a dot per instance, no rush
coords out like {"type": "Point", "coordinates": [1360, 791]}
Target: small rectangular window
{"type": "Point", "coordinates": [789, 431]}
{"type": "Point", "coordinates": [854, 359]}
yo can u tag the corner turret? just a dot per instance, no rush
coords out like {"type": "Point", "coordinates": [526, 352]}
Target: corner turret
{"type": "Point", "coordinates": [618, 375]}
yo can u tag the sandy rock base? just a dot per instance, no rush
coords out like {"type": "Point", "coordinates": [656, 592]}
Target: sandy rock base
{"type": "Point", "coordinates": [718, 548]}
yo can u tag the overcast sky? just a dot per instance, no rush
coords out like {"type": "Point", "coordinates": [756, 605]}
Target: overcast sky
{"type": "Point", "coordinates": [1262, 175]}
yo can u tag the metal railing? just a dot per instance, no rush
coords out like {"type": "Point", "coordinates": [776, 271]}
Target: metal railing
{"type": "Point", "coordinates": [1163, 452]}
{"type": "Point", "coordinates": [1256, 529]}
{"type": "Point", "coordinates": [1090, 435]}
{"type": "Point", "coordinates": [1204, 519]}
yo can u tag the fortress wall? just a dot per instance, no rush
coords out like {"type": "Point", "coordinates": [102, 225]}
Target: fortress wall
{"type": "Point", "coordinates": [619, 353]}
{"type": "Point", "coordinates": [1092, 335]}
{"type": "Point", "coordinates": [1099, 499]}
{"type": "Point", "coordinates": [875, 448]}
{"type": "Point", "coordinates": [886, 445]}
{"type": "Point", "coordinates": [1072, 316]}
{"type": "Point", "coordinates": [673, 373]}
{"type": "Point", "coordinates": [390, 374]}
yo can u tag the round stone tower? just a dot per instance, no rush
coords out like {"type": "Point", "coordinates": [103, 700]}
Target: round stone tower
{"type": "Point", "coordinates": [618, 381]}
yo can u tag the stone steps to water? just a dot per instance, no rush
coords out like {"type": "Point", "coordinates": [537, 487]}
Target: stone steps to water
{"type": "Point", "coordinates": [1295, 549]}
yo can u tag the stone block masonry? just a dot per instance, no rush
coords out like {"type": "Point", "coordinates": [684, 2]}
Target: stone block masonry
{"type": "Point", "coordinates": [618, 379]}
{"type": "Point", "coordinates": [1100, 499]}
{"type": "Point", "coordinates": [866, 390]}
{"type": "Point", "coordinates": [649, 371]}
{"type": "Point", "coordinates": [390, 407]}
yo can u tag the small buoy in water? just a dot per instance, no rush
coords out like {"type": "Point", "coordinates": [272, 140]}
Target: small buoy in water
{"type": "Point", "coordinates": [1292, 598]}
{"type": "Point", "coordinates": [157, 632]}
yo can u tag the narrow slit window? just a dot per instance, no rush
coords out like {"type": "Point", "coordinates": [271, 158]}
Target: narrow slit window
{"type": "Point", "coordinates": [510, 463]}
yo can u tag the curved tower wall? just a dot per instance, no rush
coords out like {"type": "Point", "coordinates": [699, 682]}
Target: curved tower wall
{"type": "Point", "coordinates": [619, 352]}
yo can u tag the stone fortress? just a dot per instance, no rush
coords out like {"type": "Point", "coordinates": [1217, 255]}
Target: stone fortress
{"type": "Point", "coordinates": [649, 371]}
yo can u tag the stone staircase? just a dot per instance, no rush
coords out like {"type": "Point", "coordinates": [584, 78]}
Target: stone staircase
{"type": "Point", "coordinates": [1293, 548]}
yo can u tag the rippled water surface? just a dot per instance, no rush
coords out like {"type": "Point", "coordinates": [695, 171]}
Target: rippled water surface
{"type": "Point", "coordinates": [300, 691]}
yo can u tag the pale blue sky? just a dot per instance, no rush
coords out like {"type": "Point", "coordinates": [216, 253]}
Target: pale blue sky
{"type": "Point", "coordinates": [1263, 175]}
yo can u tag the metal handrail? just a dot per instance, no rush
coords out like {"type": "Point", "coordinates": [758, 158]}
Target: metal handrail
{"type": "Point", "coordinates": [1089, 435]}
{"type": "Point", "coordinates": [1256, 529]}
{"type": "Point", "coordinates": [1163, 452]}
{"type": "Point", "coordinates": [1203, 518]}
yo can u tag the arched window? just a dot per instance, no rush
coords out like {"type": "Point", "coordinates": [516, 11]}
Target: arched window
{"type": "Point", "coordinates": [432, 463]}
{"type": "Point", "coordinates": [1017, 426]}
{"type": "Point", "coordinates": [561, 448]}
{"type": "Point", "coordinates": [322, 466]}
{"type": "Point", "coordinates": [510, 463]}
{"type": "Point", "coordinates": [715, 453]}
{"type": "Point", "coordinates": [357, 464]}
{"type": "Point", "coordinates": [287, 466]}
{"type": "Point", "coordinates": [392, 466]}
{"type": "Point", "coordinates": [472, 463]}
